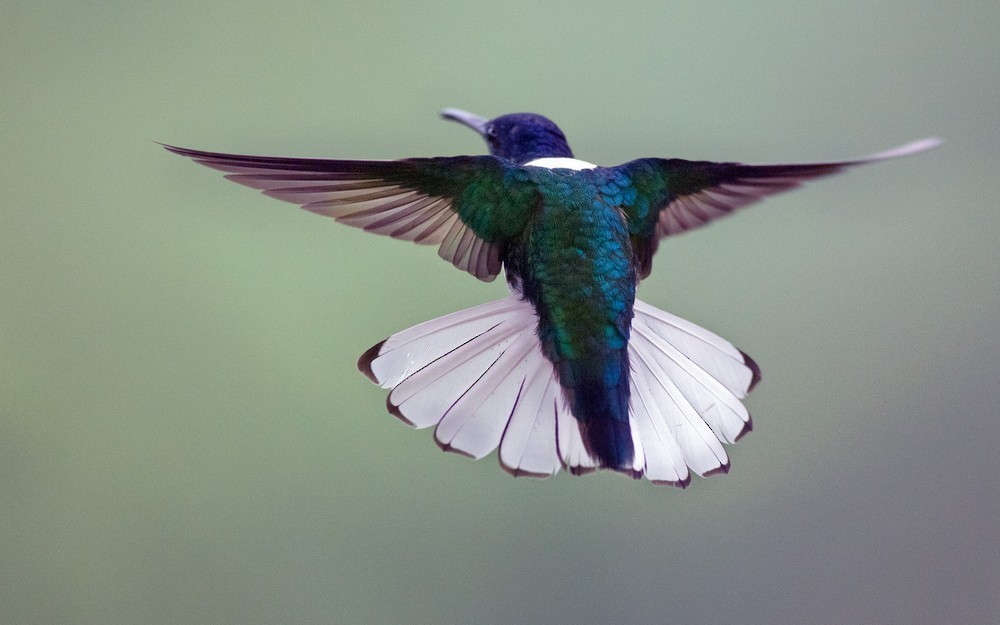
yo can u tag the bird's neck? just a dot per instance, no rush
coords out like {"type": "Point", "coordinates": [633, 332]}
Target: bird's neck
{"type": "Point", "coordinates": [535, 146]}
{"type": "Point", "coordinates": [550, 162]}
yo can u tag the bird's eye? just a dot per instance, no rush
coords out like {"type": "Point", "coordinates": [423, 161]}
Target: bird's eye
{"type": "Point", "coordinates": [491, 135]}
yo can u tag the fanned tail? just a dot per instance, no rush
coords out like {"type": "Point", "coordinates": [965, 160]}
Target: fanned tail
{"type": "Point", "coordinates": [687, 384]}
{"type": "Point", "coordinates": [480, 377]}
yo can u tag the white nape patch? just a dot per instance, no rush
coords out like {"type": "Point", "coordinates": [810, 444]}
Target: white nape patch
{"type": "Point", "coordinates": [560, 163]}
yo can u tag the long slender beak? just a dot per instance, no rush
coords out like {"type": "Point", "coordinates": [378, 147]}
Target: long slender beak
{"type": "Point", "coordinates": [471, 120]}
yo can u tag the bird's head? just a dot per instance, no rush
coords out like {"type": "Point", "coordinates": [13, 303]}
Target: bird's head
{"type": "Point", "coordinates": [519, 137]}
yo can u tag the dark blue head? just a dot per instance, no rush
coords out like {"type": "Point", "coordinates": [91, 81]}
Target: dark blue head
{"type": "Point", "coordinates": [519, 137]}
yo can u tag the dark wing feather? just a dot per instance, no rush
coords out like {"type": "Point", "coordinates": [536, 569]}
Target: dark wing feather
{"type": "Point", "coordinates": [468, 206]}
{"type": "Point", "coordinates": [675, 195]}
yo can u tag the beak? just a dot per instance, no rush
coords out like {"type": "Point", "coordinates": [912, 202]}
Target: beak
{"type": "Point", "coordinates": [471, 120]}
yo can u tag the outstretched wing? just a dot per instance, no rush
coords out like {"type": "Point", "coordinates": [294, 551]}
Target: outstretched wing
{"type": "Point", "coordinates": [675, 195]}
{"type": "Point", "coordinates": [468, 205]}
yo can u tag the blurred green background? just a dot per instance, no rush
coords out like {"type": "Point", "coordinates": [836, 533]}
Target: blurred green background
{"type": "Point", "coordinates": [184, 437]}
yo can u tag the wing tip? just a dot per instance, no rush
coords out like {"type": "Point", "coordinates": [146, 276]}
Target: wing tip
{"type": "Point", "coordinates": [179, 150]}
{"type": "Point", "coordinates": [913, 147]}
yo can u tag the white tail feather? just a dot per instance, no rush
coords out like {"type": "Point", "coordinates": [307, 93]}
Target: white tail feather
{"type": "Point", "coordinates": [529, 442]}
{"type": "Point", "coordinates": [480, 377]}
{"type": "Point", "coordinates": [664, 459]}
{"type": "Point", "coordinates": [475, 423]}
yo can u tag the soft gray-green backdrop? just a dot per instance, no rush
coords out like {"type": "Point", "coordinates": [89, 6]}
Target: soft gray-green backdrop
{"type": "Point", "coordinates": [184, 438]}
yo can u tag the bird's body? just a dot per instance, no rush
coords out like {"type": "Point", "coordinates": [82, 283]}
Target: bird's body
{"type": "Point", "coordinates": [569, 371]}
{"type": "Point", "coordinates": [573, 263]}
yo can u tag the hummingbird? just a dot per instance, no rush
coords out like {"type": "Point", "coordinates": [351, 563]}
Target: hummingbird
{"type": "Point", "coordinates": [570, 370]}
